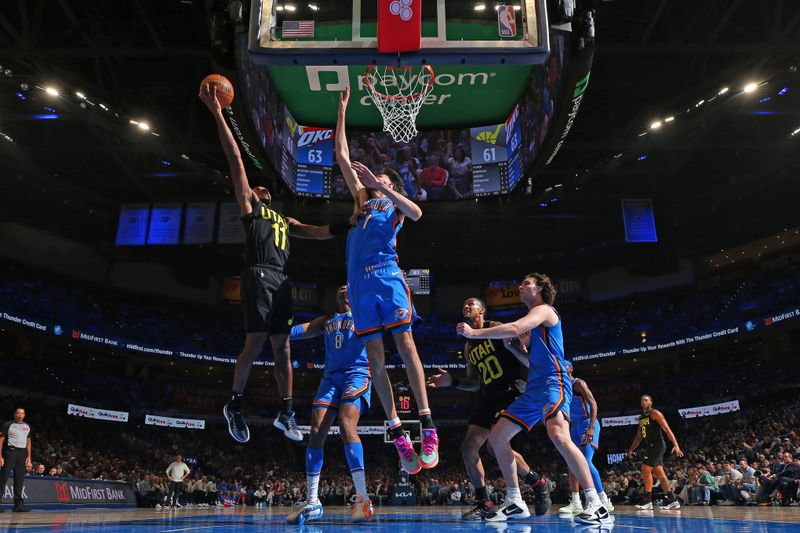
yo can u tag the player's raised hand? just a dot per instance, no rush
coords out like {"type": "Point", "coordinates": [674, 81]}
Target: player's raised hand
{"type": "Point", "coordinates": [344, 98]}
{"type": "Point", "coordinates": [365, 176]}
{"type": "Point", "coordinates": [464, 329]}
{"type": "Point", "coordinates": [208, 94]}
{"type": "Point", "coordinates": [441, 380]}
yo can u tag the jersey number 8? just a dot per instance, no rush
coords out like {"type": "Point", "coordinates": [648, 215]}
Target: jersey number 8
{"type": "Point", "coordinates": [338, 340]}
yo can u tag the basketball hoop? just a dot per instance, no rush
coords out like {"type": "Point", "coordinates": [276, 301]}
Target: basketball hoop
{"type": "Point", "coordinates": [398, 93]}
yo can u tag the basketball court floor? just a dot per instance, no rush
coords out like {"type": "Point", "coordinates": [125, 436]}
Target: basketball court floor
{"type": "Point", "coordinates": [397, 520]}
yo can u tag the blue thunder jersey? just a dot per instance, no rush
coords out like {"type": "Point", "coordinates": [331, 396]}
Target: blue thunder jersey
{"type": "Point", "coordinates": [343, 349]}
{"type": "Point", "coordinates": [372, 241]}
{"type": "Point", "coordinates": [546, 353]}
{"type": "Point", "coordinates": [579, 409]}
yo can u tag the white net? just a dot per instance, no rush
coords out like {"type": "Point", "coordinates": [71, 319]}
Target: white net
{"type": "Point", "coordinates": [398, 93]}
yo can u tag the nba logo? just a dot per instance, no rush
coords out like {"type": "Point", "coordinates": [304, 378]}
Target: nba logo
{"type": "Point", "coordinates": [506, 21]}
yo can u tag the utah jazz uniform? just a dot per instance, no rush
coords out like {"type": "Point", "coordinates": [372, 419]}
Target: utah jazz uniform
{"type": "Point", "coordinates": [549, 389]}
{"type": "Point", "coordinates": [653, 438]}
{"type": "Point", "coordinates": [346, 377]}
{"type": "Point", "coordinates": [499, 374]}
{"type": "Point", "coordinates": [379, 296]}
{"type": "Point", "coordinates": [266, 290]}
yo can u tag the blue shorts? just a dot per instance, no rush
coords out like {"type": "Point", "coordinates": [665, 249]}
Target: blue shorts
{"type": "Point", "coordinates": [543, 398]}
{"type": "Point", "coordinates": [344, 386]}
{"type": "Point", "coordinates": [577, 429]}
{"type": "Point", "coordinates": [380, 299]}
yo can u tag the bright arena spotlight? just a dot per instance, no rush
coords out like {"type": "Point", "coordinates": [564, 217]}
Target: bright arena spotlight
{"type": "Point", "coordinates": [399, 265]}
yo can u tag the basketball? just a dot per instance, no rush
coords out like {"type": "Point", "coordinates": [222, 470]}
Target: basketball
{"type": "Point", "coordinates": [224, 88]}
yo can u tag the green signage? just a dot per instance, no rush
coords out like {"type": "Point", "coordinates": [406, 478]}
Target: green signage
{"type": "Point", "coordinates": [462, 96]}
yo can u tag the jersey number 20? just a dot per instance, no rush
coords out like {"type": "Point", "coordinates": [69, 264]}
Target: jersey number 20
{"type": "Point", "coordinates": [490, 369]}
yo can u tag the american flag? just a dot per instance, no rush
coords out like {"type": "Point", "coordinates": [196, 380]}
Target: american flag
{"type": "Point", "coordinates": [297, 28]}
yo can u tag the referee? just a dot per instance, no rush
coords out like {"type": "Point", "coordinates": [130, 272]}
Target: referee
{"type": "Point", "coordinates": [15, 441]}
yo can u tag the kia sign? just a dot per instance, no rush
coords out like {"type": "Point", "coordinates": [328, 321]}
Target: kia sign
{"type": "Point", "coordinates": [54, 491]}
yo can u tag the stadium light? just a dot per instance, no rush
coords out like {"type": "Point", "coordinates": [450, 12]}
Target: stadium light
{"type": "Point", "coordinates": [80, 95]}
{"type": "Point", "coordinates": [144, 126]}
{"type": "Point", "coordinates": [669, 119]}
{"type": "Point", "coordinates": [723, 91]}
{"type": "Point", "coordinates": [313, 7]}
{"type": "Point", "coordinates": [52, 91]}
{"type": "Point", "coordinates": [655, 125]}
{"type": "Point", "coordinates": [750, 87]}
{"type": "Point", "coordinates": [480, 7]}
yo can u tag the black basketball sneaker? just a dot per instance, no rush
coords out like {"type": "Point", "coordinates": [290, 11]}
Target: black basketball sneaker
{"type": "Point", "coordinates": [481, 510]}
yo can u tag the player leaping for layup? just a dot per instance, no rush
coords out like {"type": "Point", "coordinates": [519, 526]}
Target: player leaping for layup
{"type": "Point", "coordinates": [266, 290]}
{"type": "Point", "coordinates": [546, 398]}
{"type": "Point", "coordinates": [379, 296]}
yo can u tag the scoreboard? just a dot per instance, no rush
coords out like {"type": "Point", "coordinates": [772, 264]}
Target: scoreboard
{"type": "Point", "coordinates": [419, 281]}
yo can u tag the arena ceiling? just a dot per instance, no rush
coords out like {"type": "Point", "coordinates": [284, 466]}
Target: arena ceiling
{"type": "Point", "coordinates": [721, 173]}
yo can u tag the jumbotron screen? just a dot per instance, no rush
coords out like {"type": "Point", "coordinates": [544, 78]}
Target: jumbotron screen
{"type": "Point", "coordinates": [441, 164]}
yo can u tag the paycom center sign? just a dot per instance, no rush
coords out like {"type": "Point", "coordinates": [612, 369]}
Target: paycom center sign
{"type": "Point", "coordinates": [461, 95]}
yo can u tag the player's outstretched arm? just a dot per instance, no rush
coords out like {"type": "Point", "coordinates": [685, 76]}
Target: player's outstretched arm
{"type": "Point", "coordinates": [659, 418]}
{"type": "Point", "coordinates": [309, 330]}
{"type": "Point", "coordinates": [308, 231]}
{"type": "Point", "coordinates": [541, 314]}
{"type": "Point", "coordinates": [241, 187]}
{"type": "Point", "coordinates": [404, 205]}
{"type": "Point", "coordinates": [343, 152]}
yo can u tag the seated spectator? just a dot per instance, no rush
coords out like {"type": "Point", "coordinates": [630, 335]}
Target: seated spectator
{"type": "Point", "coordinates": [433, 179]}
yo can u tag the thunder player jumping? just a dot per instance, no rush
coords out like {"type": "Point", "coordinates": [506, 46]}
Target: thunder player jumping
{"type": "Point", "coordinates": [546, 398]}
{"type": "Point", "coordinates": [378, 293]}
{"type": "Point", "coordinates": [651, 424]}
{"type": "Point", "coordinates": [266, 290]}
{"type": "Point", "coordinates": [343, 391]}
{"type": "Point", "coordinates": [585, 432]}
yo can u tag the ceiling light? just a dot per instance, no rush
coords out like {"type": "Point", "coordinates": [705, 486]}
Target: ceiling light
{"type": "Point", "coordinates": [723, 90]}
{"type": "Point", "coordinates": [669, 119]}
{"type": "Point", "coordinates": [655, 125]}
{"type": "Point", "coordinates": [750, 87]}
{"type": "Point", "coordinates": [52, 91]}
{"type": "Point", "coordinates": [279, 8]}
{"type": "Point", "coordinates": [701, 102]}
{"type": "Point", "coordinates": [80, 95]}
{"type": "Point", "coordinates": [144, 126]}
{"type": "Point", "coordinates": [313, 7]}
{"type": "Point", "coordinates": [290, 7]}
{"type": "Point", "coordinates": [480, 7]}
